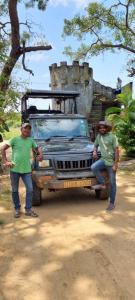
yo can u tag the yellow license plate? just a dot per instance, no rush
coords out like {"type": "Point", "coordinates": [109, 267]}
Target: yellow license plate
{"type": "Point", "coordinates": [77, 183]}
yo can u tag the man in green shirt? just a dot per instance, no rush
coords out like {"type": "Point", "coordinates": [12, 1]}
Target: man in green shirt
{"type": "Point", "coordinates": [109, 160]}
{"type": "Point", "coordinates": [20, 167]}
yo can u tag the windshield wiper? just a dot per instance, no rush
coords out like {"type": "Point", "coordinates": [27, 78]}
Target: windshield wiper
{"type": "Point", "coordinates": [69, 138]}
{"type": "Point", "coordinates": [53, 136]}
{"type": "Point", "coordinates": [76, 136]}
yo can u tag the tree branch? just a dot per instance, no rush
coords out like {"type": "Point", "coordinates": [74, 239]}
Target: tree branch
{"type": "Point", "coordinates": [131, 72]}
{"type": "Point", "coordinates": [30, 49]}
{"type": "Point", "coordinates": [37, 48]}
{"type": "Point", "coordinates": [2, 25]}
{"type": "Point", "coordinates": [116, 5]}
{"type": "Point", "coordinates": [127, 15]}
{"type": "Point", "coordinates": [119, 46]}
{"type": "Point", "coordinates": [23, 61]}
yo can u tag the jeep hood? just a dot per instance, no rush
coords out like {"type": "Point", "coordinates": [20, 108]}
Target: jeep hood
{"type": "Point", "coordinates": [55, 146]}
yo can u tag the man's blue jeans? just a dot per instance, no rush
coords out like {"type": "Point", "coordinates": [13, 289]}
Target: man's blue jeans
{"type": "Point", "coordinates": [27, 179]}
{"type": "Point", "coordinates": [96, 168]}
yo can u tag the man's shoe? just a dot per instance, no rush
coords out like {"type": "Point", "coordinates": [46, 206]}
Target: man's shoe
{"type": "Point", "coordinates": [98, 187]}
{"type": "Point", "coordinates": [17, 213]}
{"type": "Point", "coordinates": [31, 213]}
{"type": "Point", "coordinates": [110, 207]}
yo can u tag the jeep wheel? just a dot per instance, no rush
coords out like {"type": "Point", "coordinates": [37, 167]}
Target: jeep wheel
{"type": "Point", "coordinates": [102, 194]}
{"type": "Point", "coordinates": [36, 199]}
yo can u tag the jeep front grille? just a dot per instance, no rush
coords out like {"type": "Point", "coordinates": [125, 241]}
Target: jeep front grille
{"type": "Point", "coordinates": [73, 165]}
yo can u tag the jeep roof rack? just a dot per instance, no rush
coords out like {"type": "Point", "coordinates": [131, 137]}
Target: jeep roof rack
{"type": "Point", "coordinates": [46, 94]}
{"type": "Point", "coordinates": [59, 96]}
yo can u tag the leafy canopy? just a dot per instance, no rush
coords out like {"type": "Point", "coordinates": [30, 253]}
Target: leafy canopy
{"type": "Point", "coordinates": [104, 28]}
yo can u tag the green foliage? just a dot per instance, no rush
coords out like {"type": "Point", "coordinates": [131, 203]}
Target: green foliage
{"type": "Point", "coordinates": [3, 47]}
{"type": "Point", "coordinates": [14, 119]}
{"type": "Point", "coordinates": [123, 121]}
{"type": "Point", "coordinates": [103, 28]}
{"type": "Point", "coordinates": [3, 7]}
{"type": "Point", "coordinates": [13, 122]}
{"type": "Point", "coordinates": [9, 103]}
{"type": "Point", "coordinates": [12, 133]}
{"type": "Point", "coordinates": [25, 36]}
{"type": "Point", "coordinates": [41, 4]}
{"type": "Point", "coordinates": [3, 124]}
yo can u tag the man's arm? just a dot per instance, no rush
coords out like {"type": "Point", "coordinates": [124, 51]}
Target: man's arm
{"type": "Point", "coordinates": [38, 152]}
{"type": "Point", "coordinates": [117, 155]}
{"type": "Point", "coordinates": [95, 156]}
{"type": "Point", "coordinates": [116, 159]}
{"type": "Point", "coordinates": [5, 161]}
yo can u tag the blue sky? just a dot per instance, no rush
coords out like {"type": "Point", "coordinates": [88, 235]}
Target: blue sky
{"type": "Point", "coordinates": [106, 68]}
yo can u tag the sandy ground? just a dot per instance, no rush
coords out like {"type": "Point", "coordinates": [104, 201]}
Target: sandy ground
{"type": "Point", "coordinates": [73, 251]}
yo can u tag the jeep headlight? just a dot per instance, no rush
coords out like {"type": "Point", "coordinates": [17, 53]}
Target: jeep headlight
{"type": "Point", "coordinates": [44, 163]}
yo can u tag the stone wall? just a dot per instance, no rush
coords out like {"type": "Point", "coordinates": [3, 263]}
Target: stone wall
{"type": "Point", "coordinates": [106, 93]}
{"type": "Point", "coordinates": [74, 78]}
{"type": "Point", "coordinates": [93, 95]}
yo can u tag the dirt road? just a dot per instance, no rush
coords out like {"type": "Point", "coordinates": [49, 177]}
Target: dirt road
{"type": "Point", "coordinates": [73, 251]}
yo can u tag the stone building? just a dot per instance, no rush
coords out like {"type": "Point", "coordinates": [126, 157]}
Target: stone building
{"type": "Point", "coordinates": [94, 97]}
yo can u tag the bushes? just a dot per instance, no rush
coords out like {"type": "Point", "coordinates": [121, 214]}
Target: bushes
{"type": "Point", "coordinates": [126, 139]}
{"type": "Point", "coordinates": [14, 124]}
{"type": "Point", "coordinates": [123, 121]}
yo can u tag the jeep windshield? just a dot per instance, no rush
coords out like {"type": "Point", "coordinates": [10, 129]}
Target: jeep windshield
{"type": "Point", "coordinates": [51, 128]}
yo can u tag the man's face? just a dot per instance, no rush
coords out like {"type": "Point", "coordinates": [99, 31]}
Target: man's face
{"type": "Point", "coordinates": [102, 129]}
{"type": "Point", "coordinates": [26, 132]}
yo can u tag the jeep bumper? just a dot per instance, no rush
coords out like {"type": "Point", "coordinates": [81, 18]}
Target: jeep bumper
{"type": "Point", "coordinates": [51, 183]}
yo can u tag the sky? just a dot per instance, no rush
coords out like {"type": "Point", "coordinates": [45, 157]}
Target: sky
{"type": "Point", "coordinates": [106, 68]}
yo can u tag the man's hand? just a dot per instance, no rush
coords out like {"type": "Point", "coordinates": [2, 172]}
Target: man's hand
{"type": "Point", "coordinates": [95, 156]}
{"type": "Point", "coordinates": [38, 153]}
{"type": "Point", "coordinates": [40, 157]}
{"type": "Point", "coordinates": [8, 164]}
{"type": "Point", "coordinates": [115, 167]}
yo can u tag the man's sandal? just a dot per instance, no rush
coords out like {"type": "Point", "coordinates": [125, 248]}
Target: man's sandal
{"type": "Point", "coordinates": [99, 187]}
{"type": "Point", "coordinates": [31, 213]}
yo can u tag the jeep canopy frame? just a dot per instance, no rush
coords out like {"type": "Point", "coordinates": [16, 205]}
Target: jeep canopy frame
{"type": "Point", "coordinates": [58, 96]}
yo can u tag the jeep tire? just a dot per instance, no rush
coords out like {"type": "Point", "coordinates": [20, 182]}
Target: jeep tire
{"type": "Point", "coordinates": [36, 198]}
